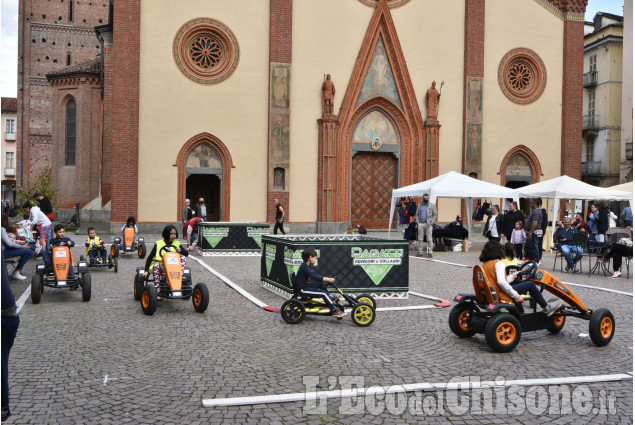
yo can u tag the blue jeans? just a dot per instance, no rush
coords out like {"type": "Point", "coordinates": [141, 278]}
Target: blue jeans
{"type": "Point", "coordinates": [95, 251]}
{"type": "Point", "coordinates": [533, 290]}
{"type": "Point", "coordinates": [533, 246]}
{"type": "Point", "coordinates": [10, 326]}
{"type": "Point", "coordinates": [567, 250]}
{"type": "Point", "coordinates": [23, 253]}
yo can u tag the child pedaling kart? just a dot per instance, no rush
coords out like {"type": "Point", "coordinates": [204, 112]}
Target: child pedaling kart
{"type": "Point", "coordinates": [95, 249]}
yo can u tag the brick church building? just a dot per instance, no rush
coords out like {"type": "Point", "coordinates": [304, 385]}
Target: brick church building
{"type": "Point", "coordinates": [230, 101]}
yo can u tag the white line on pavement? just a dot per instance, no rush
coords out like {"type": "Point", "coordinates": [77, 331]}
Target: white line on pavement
{"type": "Point", "coordinates": [25, 296]}
{"type": "Point", "coordinates": [411, 307]}
{"type": "Point", "coordinates": [423, 386]}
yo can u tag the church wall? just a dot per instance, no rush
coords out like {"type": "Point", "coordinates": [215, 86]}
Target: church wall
{"type": "Point", "coordinates": [173, 109]}
{"type": "Point", "coordinates": [506, 124]}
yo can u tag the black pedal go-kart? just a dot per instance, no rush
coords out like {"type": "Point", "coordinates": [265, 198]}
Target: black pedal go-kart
{"type": "Point", "coordinates": [296, 308]}
{"type": "Point", "coordinates": [98, 262]}
{"type": "Point", "coordinates": [58, 278]}
{"type": "Point", "coordinates": [175, 284]}
{"type": "Point", "coordinates": [130, 243]}
{"type": "Point", "coordinates": [490, 311]}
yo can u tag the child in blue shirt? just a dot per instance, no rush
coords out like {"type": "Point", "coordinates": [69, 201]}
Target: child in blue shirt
{"type": "Point", "coordinates": [312, 284]}
{"type": "Point", "coordinates": [60, 239]}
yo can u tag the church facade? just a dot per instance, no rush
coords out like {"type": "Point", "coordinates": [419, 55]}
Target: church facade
{"type": "Point", "coordinates": [230, 101]}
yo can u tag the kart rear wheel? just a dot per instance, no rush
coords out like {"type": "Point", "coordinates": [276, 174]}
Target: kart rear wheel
{"type": "Point", "coordinates": [200, 297]}
{"type": "Point", "coordinates": [602, 327]}
{"type": "Point", "coordinates": [149, 300]}
{"type": "Point", "coordinates": [86, 287]}
{"type": "Point", "coordinates": [115, 264]}
{"type": "Point", "coordinates": [502, 332]}
{"type": "Point", "coordinates": [459, 320]}
{"type": "Point", "coordinates": [142, 250]}
{"type": "Point", "coordinates": [114, 250]}
{"type": "Point", "coordinates": [36, 288]}
{"type": "Point", "coordinates": [292, 311]}
{"type": "Point", "coordinates": [368, 299]}
{"type": "Point", "coordinates": [137, 287]}
{"type": "Point", "coordinates": [555, 323]}
{"type": "Point", "coordinates": [363, 314]}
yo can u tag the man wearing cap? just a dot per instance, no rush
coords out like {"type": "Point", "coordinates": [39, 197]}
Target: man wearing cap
{"type": "Point", "coordinates": [426, 216]}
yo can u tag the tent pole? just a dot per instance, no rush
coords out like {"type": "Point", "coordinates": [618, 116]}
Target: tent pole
{"type": "Point", "coordinates": [469, 220]}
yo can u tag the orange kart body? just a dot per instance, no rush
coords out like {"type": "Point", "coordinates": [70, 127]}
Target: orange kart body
{"type": "Point", "coordinates": [61, 258]}
{"type": "Point", "coordinates": [128, 236]}
{"type": "Point", "coordinates": [173, 270]}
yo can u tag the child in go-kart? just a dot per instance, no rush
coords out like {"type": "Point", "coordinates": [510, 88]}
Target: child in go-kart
{"type": "Point", "coordinates": [95, 248]}
{"type": "Point", "coordinates": [59, 240]}
{"type": "Point", "coordinates": [154, 261]}
{"type": "Point", "coordinates": [312, 284]}
{"type": "Point", "coordinates": [494, 269]}
{"type": "Point", "coordinates": [131, 222]}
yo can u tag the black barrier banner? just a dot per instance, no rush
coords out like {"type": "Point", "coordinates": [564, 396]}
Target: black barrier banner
{"type": "Point", "coordinates": [231, 237]}
{"type": "Point", "coordinates": [372, 265]}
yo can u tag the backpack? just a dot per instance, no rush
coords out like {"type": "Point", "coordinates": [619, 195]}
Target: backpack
{"type": "Point", "coordinates": [411, 232]}
{"type": "Point", "coordinates": [411, 207]}
{"type": "Point", "coordinates": [361, 230]}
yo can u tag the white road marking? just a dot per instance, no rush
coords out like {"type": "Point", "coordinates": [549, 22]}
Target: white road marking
{"type": "Point", "coordinates": [423, 386]}
{"type": "Point", "coordinates": [22, 300]}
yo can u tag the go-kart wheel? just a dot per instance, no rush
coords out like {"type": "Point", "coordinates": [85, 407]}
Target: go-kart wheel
{"type": "Point", "coordinates": [142, 250]}
{"type": "Point", "coordinates": [149, 300]}
{"type": "Point", "coordinates": [200, 297]}
{"type": "Point", "coordinates": [86, 287]}
{"type": "Point", "coordinates": [115, 264]}
{"type": "Point", "coordinates": [366, 298]}
{"type": "Point", "coordinates": [114, 250]}
{"type": "Point", "coordinates": [36, 288]}
{"type": "Point", "coordinates": [602, 327]}
{"type": "Point", "coordinates": [137, 286]}
{"type": "Point", "coordinates": [363, 314]}
{"type": "Point", "coordinates": [82, 258]}
{"type": "Point", "coordinates": [555, 323]}
{"type": "Point", "coordinates": [459, 320]}
{"type": "Point", "coordinates": [502, 332]}
{"type": "Point", "coordinates": [292, 311]}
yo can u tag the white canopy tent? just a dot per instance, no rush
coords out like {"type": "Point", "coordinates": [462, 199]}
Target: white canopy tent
{"type": "Point", "coordinates": [624, 187]}
{"type": "Point", "coordinates": [452, 185]}
{"type": "Point", "coordinates": [565, 187]}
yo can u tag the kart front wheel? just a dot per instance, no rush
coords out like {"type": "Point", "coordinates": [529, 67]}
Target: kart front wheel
{"type": "Point", "coordinates": [114, 250]}
{"type": "Point", "coordinates": [86, 287]}
{"type": "Point", "coordinates": [555, 323]}
{"type": "Point", "coordinates": [459, 320]}
{"type": "Point", "coordinates": [502, 332]}
{"type": "Point", "coordinates": [36, 288]}
{"type": "Point", "coordinates": [293, 311]}
{"type": "Point", "coordinates": [368, 299]}
{"type": "Point", "coordinates": [149, 300]}
{"type": "Point", "coordinates": [200, 297]}
{"type": "Point", "coordinates": [363, 314]}
{"type": "Point", "coordinates": [602, 327]}
{"type": "Point", "coordinates": [142, 250]}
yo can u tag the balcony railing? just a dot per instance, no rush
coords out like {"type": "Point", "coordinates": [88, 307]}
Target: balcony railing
{"type": "Point", "coordinates": [9, 136]}
{"type": "Point", "coordinates": [591, 168]}
{"type": "Point", "coordinates": [9, 172]}
{"type": "Point", "coordinates": [629, 151]}
{"type": "Point", "coordinates": [590, 79]}
{"type": "Point", "coordinates": [591, 122]}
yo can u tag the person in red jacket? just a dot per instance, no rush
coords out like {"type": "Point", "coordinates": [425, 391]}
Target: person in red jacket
{"type": "Point", "coordinates": [191, 227]}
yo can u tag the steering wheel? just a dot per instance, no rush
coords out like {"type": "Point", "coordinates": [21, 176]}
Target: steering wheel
{"type": "Point", "coordinates": [528, 271]}
{"type": "Point", "coordinates": [166, 247]}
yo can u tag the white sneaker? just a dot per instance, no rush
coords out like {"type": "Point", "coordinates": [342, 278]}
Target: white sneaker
{"type": "Point", "coordinates": [18, 276]}
{"type": "Point", "coordinates": [616, 275]}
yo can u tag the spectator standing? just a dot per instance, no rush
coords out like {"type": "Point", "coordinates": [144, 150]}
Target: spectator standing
{"type": "Point", "coordinates": [37, 217]}
{"type": "Point", "coordinates": [592, 222]}
{"type": "Point", "coordinates": [10, 324]}
{"type": "Point", "coordinates": [510, 219]}
{"type": "Point", "coordinates": [602, 222]}
{"type": "Point", "coordinates": [494, 225]}
{"type": "Point", "coordinates": [426, 217]}
{"type": "Point", "coordinates": [612, 219]}
{"type": "Point", "coordinates": [543, 226]}
{"type": "Point", "coordinates": [279, 218]}
{"type": "Point", "coordinates": [47, 209]}
{"type": "Point", "coordinates": [186, 214]}
{"type": "Point", "coordinates": [518, 239]}
{"type": "Point", "coordinates": [627, 217]}
{"type": "Point", "coordinates": [192, 232]}
{"type": "Point", "coordinates": [533, 229]}
{"type": "Point", "coordinates": [201, 209]}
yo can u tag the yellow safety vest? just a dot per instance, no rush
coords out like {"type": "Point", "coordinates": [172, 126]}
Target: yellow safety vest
{"type": "Point", "coordinates": [97, 243]}
{"type": "Point", "coordinates": [160, 244]}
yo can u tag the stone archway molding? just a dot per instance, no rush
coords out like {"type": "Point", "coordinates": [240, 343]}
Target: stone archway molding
{"type": "Point", "coordinates": [534, 163]}
{"type": "Point", "coordinates": [227, 164]}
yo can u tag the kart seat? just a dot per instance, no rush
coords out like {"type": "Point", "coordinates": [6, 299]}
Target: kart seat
{"type": "Point", "coordinates": [487, 291]}
{"type": "Point", "coordinates": [296, 291]}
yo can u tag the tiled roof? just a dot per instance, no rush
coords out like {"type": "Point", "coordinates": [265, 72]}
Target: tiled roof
{"type": "Point", "coordinates": [10, 104]}
{"type": "Point", "coordinates": [90, 66]}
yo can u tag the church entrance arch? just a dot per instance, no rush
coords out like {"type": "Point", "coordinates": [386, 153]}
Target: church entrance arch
{"type": "Point", "coordinates": [204, 172]}
{"type": "Point", "coordinates": [519, 168]}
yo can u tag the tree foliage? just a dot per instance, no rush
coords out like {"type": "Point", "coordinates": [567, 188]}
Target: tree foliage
{"type": "Point", "coordinates": [43, 183]}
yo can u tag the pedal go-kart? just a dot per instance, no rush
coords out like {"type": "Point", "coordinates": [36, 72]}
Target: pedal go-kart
{"type": "Point", "coordinates": [130, 243]}
{"type": "Point", "coordinates": [61, 257]}
{"type": "Point", "coordinates": [176, 284]}
{"type": "Point", "coordinates": [492, 312]}
{"type": "Point", "coordinates": [99, 262]}
{"type": "Point", "coordinates": [295, 309]}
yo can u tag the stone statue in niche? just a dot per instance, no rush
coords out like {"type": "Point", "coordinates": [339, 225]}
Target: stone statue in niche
{"type": "Point", "coordinates": [328, 94]}
{"type": "Point", "coordinates": [278, 178]}
{"type": "Point", "coordinates": [432, 102]}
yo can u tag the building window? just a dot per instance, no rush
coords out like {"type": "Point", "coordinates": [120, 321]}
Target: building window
{"type": "Point", "coordinates": [9, 160]}
{"type": "Point", "coordinates": [522, 76]}
{"type": "Point", "coordinates": [591, 104]}
{"type": "Point", "coordinates": [590, 146]}
{"type": "Point", "coordinates": [71, 127]}
{"type": "Point", "coordinates": [593, 63]}
{"type": "Point", "coordinates": [10, 128]}
{"type": "Point", "coordinates": [70, 11]}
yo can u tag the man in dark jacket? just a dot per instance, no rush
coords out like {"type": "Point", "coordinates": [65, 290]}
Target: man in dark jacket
{"type": "Point", "coordinates": [494, 225]}
{"type": "Point", "coordinates": [543, 226]}
{"type": "Point", "coordinates": [45, 205]}
{"type": "Point", "coordinates": [511, 218]}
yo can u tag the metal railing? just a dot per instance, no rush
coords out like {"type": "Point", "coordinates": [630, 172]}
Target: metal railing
{"type": "Point", "coordinates": [629, 151]}
{"type": "Point", "coordinates": [591, 167]}
{"type": "Point", "coordinates": [591, 122]}
{"type": "Point", "coordinates": [590, 79]}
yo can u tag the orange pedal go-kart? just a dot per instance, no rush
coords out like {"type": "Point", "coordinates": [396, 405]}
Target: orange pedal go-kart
{"type": "Point", "coordinates": [176, 283]}
{"type": "Point", "coordinates": [130, 243]}
{"type": "Point", "coordinates": [61, 258]}
{"type": "Point", "coordinates": [490, 311]}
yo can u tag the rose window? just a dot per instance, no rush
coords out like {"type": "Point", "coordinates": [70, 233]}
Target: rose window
{"type": "Point", "coordinates": [522, 76]}
{"type": "Point", "coordinates": [205, 51]}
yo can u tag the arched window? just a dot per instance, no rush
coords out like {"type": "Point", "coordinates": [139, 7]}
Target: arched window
{"type": "Point", "coordinates": [71, 127]}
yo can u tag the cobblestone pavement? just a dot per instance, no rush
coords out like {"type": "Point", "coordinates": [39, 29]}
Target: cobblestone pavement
{"type": "Point", "coordinates": [105, 362]}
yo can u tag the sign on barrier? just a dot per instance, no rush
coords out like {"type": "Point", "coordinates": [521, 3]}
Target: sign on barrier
{"type": "Point", "coordinates": [227, 236]}
{"type": "Point", "coordinates": [358, 263]}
